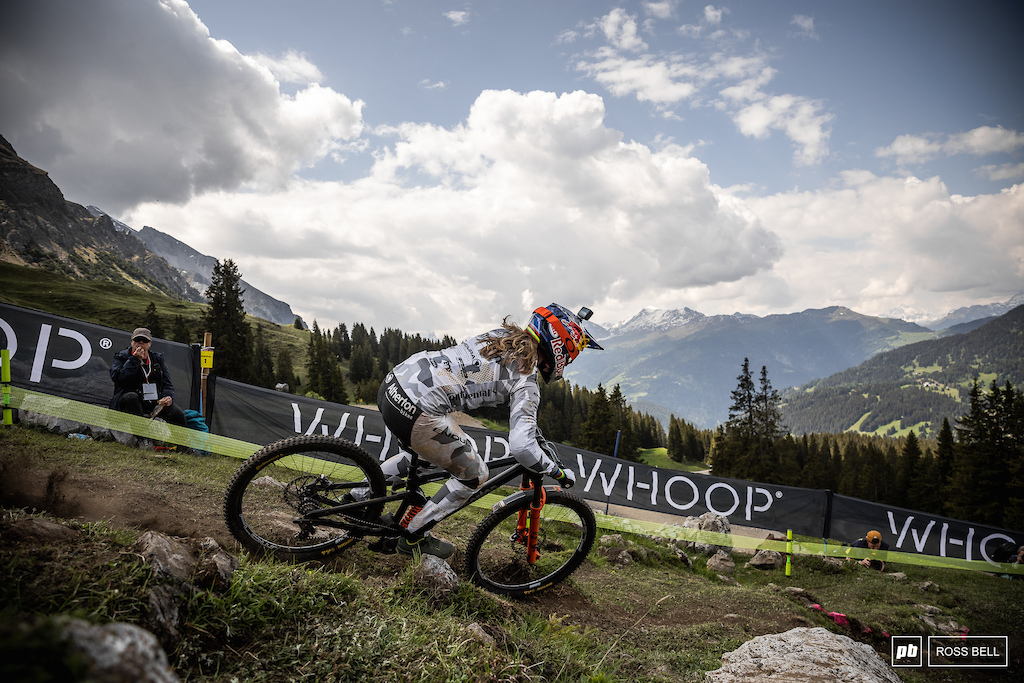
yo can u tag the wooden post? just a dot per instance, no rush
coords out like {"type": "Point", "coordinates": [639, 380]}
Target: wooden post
{"type": "Point", "coordinates": [206, 363]}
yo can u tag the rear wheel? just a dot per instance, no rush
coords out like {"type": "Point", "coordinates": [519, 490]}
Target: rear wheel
{"type": "Point", "coordinates": [495, 556]}
{"type": "Point", "coordinates": [271, 493]}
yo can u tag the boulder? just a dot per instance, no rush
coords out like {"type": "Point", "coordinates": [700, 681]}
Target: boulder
{"type": "Point", "coordinates": [709, 521]}
{"type": "Point", "coordinates": [767, 559]}
{"type": "Point", "coordinates": [721, 563]}
{"type": "Point", "coordinates": [120, 652]}
{"type": "Point", "coordinates": [802, 655]}
{"type": "Point", "coordinates": [436, 576]}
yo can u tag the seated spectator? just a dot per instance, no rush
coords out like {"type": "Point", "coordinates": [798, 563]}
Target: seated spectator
{"type": "Point", "coordinates": [142, 383]}
{"type": "Point", "coordinates": [872, 541]}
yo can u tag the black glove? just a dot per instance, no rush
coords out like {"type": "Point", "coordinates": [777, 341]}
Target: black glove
{"type": "Point", "coordinates": [565, 478]}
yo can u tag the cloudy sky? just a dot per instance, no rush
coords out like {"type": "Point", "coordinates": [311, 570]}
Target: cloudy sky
{"type": "Point", "coordinates": [435, 166]}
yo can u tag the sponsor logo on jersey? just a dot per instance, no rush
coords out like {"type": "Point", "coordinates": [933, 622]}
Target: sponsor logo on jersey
{"type": "Point", "coordinates": [400, 401]}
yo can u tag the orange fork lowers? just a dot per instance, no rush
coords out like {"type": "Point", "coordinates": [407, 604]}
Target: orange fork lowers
{"type": "Point", "coordinates": [530, 519]}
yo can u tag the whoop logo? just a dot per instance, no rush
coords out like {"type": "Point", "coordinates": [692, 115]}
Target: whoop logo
{"type": "Point", "coordinates": [42, 346]}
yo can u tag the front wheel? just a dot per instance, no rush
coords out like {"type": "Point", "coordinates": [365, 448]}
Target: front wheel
{"type": "Point", "coordinates": [496, 558]}
{"type": "Point", "coordinates": [269, 499]}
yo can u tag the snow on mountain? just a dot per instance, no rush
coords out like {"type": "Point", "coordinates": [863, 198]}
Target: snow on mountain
{"type": "Point", "coordinates": [970, 313]}
{"type": "Point", "coordinates": [657, 320]}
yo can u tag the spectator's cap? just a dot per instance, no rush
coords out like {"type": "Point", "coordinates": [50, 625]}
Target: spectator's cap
{"type": "Point", "coordinates": [873, 536]}
{"type": "Point", "coordinates": [142, 332]}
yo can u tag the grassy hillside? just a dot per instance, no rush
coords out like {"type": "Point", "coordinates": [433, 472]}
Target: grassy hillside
{"type": "Point", "coordinates": [123, 307]}
{"type": "Point", "coordinates": [914, 386]}
{"type": "Point", "coordinates": [365, 617]}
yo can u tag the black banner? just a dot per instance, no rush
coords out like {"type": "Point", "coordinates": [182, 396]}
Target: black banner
{"type": "Point", "coordinates": [261, 415]}
{"type": "Point", "coordinates": [916, 532]}
{"type": "Point", "coordinates": [72, 359]}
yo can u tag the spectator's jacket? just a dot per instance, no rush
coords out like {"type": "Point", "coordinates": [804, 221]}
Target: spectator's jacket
{"type": "Point", "coordinates": [128, 374]}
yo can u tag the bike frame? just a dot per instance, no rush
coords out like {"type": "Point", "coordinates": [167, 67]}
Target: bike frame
{"type": "Point", "coordinates": [510, 469]}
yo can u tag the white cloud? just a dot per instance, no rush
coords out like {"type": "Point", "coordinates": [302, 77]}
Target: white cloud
{"type": "Point", "coordinates": [620, 30]}
{"type": "Point", "coordinates": [293, 67]}
{"type": "Point", "coordinates": [624, 68]}
{"type": "Point", "coordinates": [164, 116]}
{"type": "Point", "coordinates": [458, 18]}
{"type": "Point", "coordinates": [1002, 172]}
{"type": "Point", "coordinates": [532, 192]}
{"type": "Point", "coordinates": [805, 26]}
{"type": "Point", "coordinates": [911, 149]}
{"type": "Point", "coordinates": [876, 244]}
{"type": "Point", "coordinates": [713, 15]}
{"type": "Point", "coordinates": [660, 10]}
{"type": "Point", "coordinates": [426, 84]}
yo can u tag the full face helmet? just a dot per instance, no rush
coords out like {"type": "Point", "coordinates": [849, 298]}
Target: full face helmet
{"type": "Point", "coordinates": [561, 336]}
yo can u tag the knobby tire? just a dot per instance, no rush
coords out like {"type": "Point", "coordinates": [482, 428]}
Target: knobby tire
{"type": "Point", "coordinates": [290, 478]}
{"type": "Point", "coordinates": [497, 562]}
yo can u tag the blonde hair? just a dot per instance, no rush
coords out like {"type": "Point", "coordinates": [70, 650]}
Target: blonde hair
{"type": "Point", "coordinates": [517, 347]}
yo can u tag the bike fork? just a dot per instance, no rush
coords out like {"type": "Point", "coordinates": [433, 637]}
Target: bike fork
{"type": "Point", "coordinates": [528, 522]}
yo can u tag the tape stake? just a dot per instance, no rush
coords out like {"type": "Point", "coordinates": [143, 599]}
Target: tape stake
{"type": "Point", "coordinates": [5, 386]}
{"type": "Point", "coordinates": [789, 552]}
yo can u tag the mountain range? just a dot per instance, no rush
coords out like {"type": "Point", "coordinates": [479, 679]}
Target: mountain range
{"type": "Point", "coordinates": [40, 228]}
{"type": "Point", "coordinates": [684, 363]}
{"type": "Point", "coordinates": [666, 362]}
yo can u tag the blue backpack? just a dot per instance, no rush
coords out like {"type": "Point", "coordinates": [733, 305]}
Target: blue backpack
{"type": "Point", "coordinates": [195, 420]}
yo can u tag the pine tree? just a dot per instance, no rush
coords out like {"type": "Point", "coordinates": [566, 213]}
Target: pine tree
{"type": "Point", "coordinates": [180, 332]}
{"type": "Point", "coordinates": [599, 429]}
{"type": "Point", "coordinates": [622, 427]}
{"type": "Point", "coordinates": [909, 461]}
{"type": "Point", "coordinates": [285, 371]}
{"type": "Point", "coordinates": [151, 321]}
{"type": "Point", "coordinates": [225, 320]}
{"type": "Point", "coordinates": [675, 439]}
{"type": "Point", "coordinates": [263, 362]}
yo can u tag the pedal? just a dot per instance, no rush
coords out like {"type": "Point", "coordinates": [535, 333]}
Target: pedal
{"type": "Point", "coordinates": [384, 546]}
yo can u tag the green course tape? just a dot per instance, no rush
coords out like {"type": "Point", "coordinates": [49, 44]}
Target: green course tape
{"type": "Point", "coordinates": [85, 413]}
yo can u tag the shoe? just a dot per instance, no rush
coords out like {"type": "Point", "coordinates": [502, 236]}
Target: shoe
{"type": "Point", "coordinates": [426, 544]}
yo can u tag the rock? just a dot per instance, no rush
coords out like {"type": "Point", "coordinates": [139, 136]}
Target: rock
{"type": "Point", "coordinates": [168, 556]}
{"type": "Point", "coordinates": [709, 521]}
{"type": "Point", "coordinates": [435, 574]}
{"type": "Point", "coordinates": [721, 563]}
{"type": "Point", "coordinates": [802, 655]}
{"type": "Point", "coordinates": [612, 539]}
{"type": "Point", "coordinates": [477, 632]}
{"type": "Point", "coordinates": [897, 576]}
{"type": "Point", "coordinates": [120, 652]}
{"type": "Point", "coordinates": [928, 587]}
{"type": "Point", "coordinates": [767, 559]}
{"type": "Point", "coordinates": [38, 530]}
{"type": "Point", "coordinates": [946, 628]}
{"type": "Point", "coordinates": [623, 558]}
{"type": "Point", "coordinates": [163, 617]}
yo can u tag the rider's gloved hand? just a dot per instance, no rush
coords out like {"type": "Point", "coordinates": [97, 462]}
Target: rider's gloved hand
{"type": "Point", "coordinates": [565, 478]}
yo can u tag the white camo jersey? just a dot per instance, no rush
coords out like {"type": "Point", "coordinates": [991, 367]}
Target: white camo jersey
{"type": "Point", "coordinates": [459, 378]}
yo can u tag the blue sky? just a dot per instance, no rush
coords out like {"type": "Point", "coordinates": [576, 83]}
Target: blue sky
{"type": "Point", "coordinates": [435, 166]}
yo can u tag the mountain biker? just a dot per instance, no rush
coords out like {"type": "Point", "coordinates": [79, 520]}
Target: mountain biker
{"type": "Point", "coordinates": [491, 369]}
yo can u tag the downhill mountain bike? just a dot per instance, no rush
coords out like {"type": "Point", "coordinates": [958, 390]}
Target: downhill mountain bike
{"type": "Point", "coordinates": [309, 497]}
